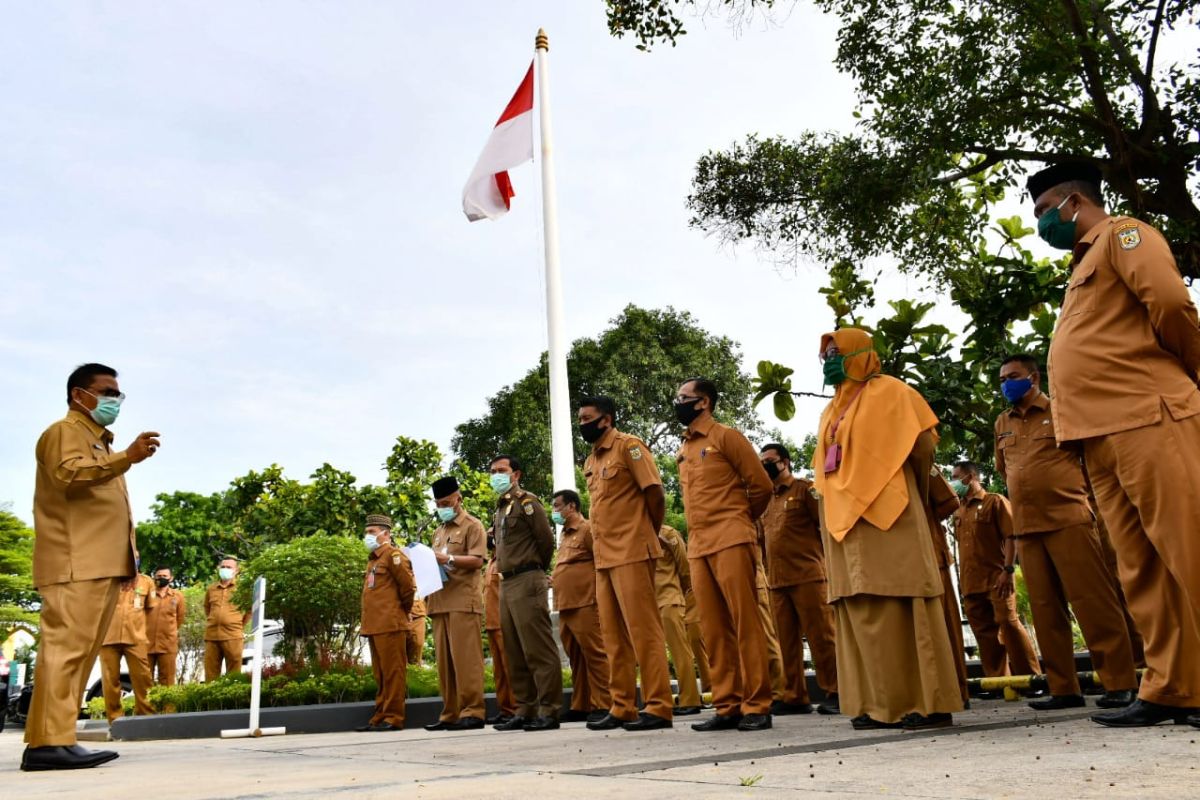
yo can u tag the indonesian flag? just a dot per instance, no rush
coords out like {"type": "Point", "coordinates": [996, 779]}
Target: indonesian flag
{"type": "Point", "coordinates": [488, 190]}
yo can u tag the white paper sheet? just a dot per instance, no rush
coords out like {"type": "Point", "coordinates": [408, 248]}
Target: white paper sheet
{"type": "Point", "coordinates": [425, 569]}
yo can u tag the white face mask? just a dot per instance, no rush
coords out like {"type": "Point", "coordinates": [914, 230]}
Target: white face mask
{"type": "Point", "coordinates": [225, 573]}
{"type": "Point", "coordinates": [371, 541]}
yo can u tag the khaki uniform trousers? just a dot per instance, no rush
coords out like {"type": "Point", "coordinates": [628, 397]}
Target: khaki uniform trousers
{"type": "Point", "coordinates": [1002, 639]}
{"type": "Point", "coordinates": [699, 651]}
{"type": "Point", "coordinates": [415, 642]}
{"type": "Point", "coordinates": [163, 666]}
{"type": "Point", "coordinates": [1067, 566]}
{"type": "Point", "coordinates": [724, 585]}
{"type": "Point", "coordinates": [953, 616]}
{"type": "Point", "coordinates": [633, 637]}
{"type": "Point", "coordinates": [227, 652]}
{"type": "Point", "coordinates": [1110, 560]}
{"type": "Point", "coordinates": [74, 620]}
{"type": "Point", "coordinates": [579, 630]}
{"type": "Point", "coordinates": [504, 695]}
{"type": "Point", "coordinates": [680, 647]}
{"type": "Point", "coordinates": [1145, 483]}
{"type": "Point", "coordinates": [459, 653]}
{"type": "Point", "coordinates": [802, 612]}
{"type": "Point", "coordinates": [533, 664]}
{"type": "Point", "coordinates": [774, 653]}
{"type": "Point", "coordinates": [389, 665]}
{"type": "Point", "coordinates": [139, 676]}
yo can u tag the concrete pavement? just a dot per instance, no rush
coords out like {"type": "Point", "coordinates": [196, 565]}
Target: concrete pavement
{"type": "Point", "coordinates": [997, 750]}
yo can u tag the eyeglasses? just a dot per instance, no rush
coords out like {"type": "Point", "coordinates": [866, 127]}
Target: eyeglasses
{"type": "Point", "coordinates": [683, 398]}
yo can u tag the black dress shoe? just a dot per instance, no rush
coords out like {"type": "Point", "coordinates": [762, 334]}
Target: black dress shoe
{"type": "Point", "coordinates": [574, 716]}
{"type": "Point", "coordinates": [606, 723]}
{"type": "Point", "coordinates": [781, 708]}
{"type": "Point", "coordinates": [864, 723]}
{"type": "Point", "coordinates": [1118, 699]}
{"type": "Point", "coordinates": [542, 724]}
{"type": "Point", "coordinates": [719, 722]}
{"type": "Point", "coordinates": [364, 728]}
{"type": "Point", "coordinates": [499, 719]}
{"type": "Point", "coordinates": [597, 715]}
{"type": "Point", "coordinates": [38, 759]}
{"type": "Point", "coordinates": [1142, 714]}
{"type": "Point", "coordinates": [466, 724]}
{"type": "Point", "coordinates": [756, 722]}
{"type": "Point", "coordinates": [1057, 701]}
{"type": "Point", "coordinates": [1194, 720]}
{"type": "Point", "coordinates": [440, 725]}
{"type": "Point", "coordinates": [685, 711]}
{"type": "Point", "coordinates": [516, 723]}
{"type": "Point", "coordinates": [381, 727]}
{"type": "Point", "coordinates": [830, 705]}
{"type": "Point", "coordinates": [925, 722]}
{"type": "Point", "coordinates": [648, 722]}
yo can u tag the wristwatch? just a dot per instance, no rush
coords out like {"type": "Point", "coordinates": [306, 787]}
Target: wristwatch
{"type": "Point", "coordinates": [1009, 568]}
{"type": "Point", "coordinates": [450, 562]}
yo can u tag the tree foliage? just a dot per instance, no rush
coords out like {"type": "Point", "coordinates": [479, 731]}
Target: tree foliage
{"type": "Point", "coordinates": [639, 361]}
{"type": "Point", "coordinates": [18, 600]}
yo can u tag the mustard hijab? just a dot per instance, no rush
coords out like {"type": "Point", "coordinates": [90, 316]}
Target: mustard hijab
{"type": "Point", "coordinates": [883, 418]}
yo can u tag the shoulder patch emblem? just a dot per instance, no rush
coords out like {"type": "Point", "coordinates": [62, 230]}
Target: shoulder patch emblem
{"type": "Point", "coordinates": [397, 558]}
{"type": "Point", "coordinates": [635, 453]}
{"type": "Point", "coordinates": [1129, 237]}
{"type": "Point", "coordinates": [528, 507]}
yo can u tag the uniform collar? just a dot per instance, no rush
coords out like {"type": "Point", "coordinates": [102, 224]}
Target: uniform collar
{"type": "Point", "coordinates": [785, 487]}
{"type": "Point", "coordinates": [700, 427]}
{"type": "Point", "coordinates": [458, 518]}
{"type": "Point", "coordinates": [1089, 239]}
{"type": "Point", "coordinates": [99, 431]}
{"type": "Point", "coordinates": [574, 527]}
{"type": "Point", "coordinates": [1041, 403]}
{"type": "Point", "coordinates": [976, 495]}
{"type": "Point", "coordinates": [606, 441]}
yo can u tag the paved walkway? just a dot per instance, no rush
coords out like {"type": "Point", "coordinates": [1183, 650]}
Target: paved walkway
{"type": "Point", "coordinates": [997, 750]}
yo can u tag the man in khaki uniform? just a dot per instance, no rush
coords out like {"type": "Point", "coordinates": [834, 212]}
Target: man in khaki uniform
{"type": "Point", "coordinates": [82, 550]}
{"type": "Point", "coordinates": [796, 577]}
{"type": "Point", "coordinates": [524, 548]}
{"type": "Point", "coordinates": [628, 505]}
{"type": "Point", "coordinates": [225, 630]}
{"type": "Point", "coordinates": [574, 585]}
{"type": "Point", "coordinates": [459, 544]}
{"type": "Point", "coordinates": [126, 638]}
{"type": "Point", "coordinates": [506, 705]}
{"type": "Point", "coordinates": [986, 558]}
{"type": "Point", "coordinates": [387, 597]}
{"type": "Point", "coordinates": [725, 490]}
{"type": "Point", "coordinates": [671, 581]}
{"type": "Point", "coordinates": [162, 627]}
{"type": "Point", "coordinates": [1059, 547]}
{"type": "Point", "coordinates": [415, 641]}
{"type": "Point", "coordinates": [1123, 367]}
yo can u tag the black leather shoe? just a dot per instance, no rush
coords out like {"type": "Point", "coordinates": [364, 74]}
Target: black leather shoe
{"type": "Point", "coordinates": [363, 728]}
{"type": "Point", "coordinates": [499, 719]}
{"type": "Point", "coordinates": [597, 715]}
{"type": "Point", "coordinates": [466, 724]}
{"type": "Point", "coordinates": [381, 727]}
{"type": "Point", "coordinates": [1142, 714]}
{"type": "Point", "coordinates": [685, 711]}
{"type": "Point", "coordinates": [783, 709]}
{"type": "Point", "coordinates": [719, 722]}
{"type": "Point", "coordinates": [542, 724]}
{"type": "Point", "coordinates": [830, 705]}
{"type": "Point", "coordinates": [440, 725]}
{"type": "Point", "coordinates": [1057, 701]}
{"type": "Point", "coordinates": [1118, 699]}
{"type": "Point", "coordinates": [989, 695]}
{"type": "Point", "coordinates": [606, 723]}
{"type": "Point", "coordinates": [38, 759]}
{"type": "Point", "coordinates": [516, 723]}
{"type": "Point", "coordinates": [574, 716]}
{"type": "Point", "coordinates": [864, 723]}
{"type": "Point", "coordinates": [925, 722]}
{"type": "Point", "coordinates": [757, 722]}
{"type": "Point", "coordinates": [1194, 720]}
{"type": "Point", "coordinates": [648, 722]}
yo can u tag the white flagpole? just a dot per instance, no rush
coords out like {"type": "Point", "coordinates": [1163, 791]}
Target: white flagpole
{"type": "Point", "coordinates": [562, 455]}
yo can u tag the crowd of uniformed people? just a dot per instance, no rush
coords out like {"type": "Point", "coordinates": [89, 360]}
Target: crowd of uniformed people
{"type": "Point", "coordinates": [1100, 516]}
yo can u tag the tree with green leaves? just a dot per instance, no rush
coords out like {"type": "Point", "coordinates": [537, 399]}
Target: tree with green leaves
{"type": "Point", "coordinates": [18, 600]}
{"type": "Point", "coordinates": [639, 361]}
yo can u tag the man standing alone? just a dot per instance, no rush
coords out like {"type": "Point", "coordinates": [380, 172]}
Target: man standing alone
{"type": "Point", "coordinates": [225, 632]}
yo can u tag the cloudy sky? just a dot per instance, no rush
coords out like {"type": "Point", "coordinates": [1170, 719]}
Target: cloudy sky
{"type": "Point", "coordinates": [252, 210]}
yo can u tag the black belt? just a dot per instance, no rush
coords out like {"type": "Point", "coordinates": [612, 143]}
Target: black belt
{"type": "Point", "coordinates": [515, 572]}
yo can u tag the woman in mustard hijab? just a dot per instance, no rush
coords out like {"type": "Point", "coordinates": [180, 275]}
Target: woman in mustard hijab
{"type": "Point", "coordinates": [873, 461]}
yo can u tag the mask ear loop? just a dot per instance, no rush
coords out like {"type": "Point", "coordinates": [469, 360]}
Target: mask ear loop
{"type": "Point", "coordinates": [850, 377]}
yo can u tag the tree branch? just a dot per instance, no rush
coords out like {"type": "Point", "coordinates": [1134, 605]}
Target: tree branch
{"type": "Point", "coordinates": [1150, 106]}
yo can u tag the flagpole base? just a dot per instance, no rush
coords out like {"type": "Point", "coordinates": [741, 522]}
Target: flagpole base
{"type": "Point", "coordinates": [248, 733]}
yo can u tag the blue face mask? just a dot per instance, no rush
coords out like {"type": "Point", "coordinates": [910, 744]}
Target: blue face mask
{"type": "Point", "coordinates": [1014, 390]}
{"type": "Point", "coordinates": [1055, 231]}
{"type": "Point", "coordinates": [501, 482]}
{"type": "Point", "coordinates": [446, 514]}
{"type": "Point", "coordinates": [959, 487]}
{"type": "Point", "coordinates": [556, 518]}
{"type": "Point", "coordinates": [371, 542]}
{"type": "Point", "coordinates": [107, 409]}
{"type": "Point", "coordinates": [225, 573]}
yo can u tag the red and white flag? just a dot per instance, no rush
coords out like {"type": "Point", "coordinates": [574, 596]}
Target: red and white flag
{"type": "Point", "coordinates": [488, 190]}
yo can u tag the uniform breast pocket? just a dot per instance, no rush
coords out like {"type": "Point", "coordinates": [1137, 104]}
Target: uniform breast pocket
{"type": "Point", "coordinates": [454, 543]}
{"type": "Point", "coordinates": [611, 474]}
{"type": "Point", "coordinates": [1081, 291]}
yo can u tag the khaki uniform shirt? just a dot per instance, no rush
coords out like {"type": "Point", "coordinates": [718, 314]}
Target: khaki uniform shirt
{"type": "Point", "coordinates": [225, 620]}
{"type": "Point", "coordinates": [462, 536]}
{"type": "Point", "coordinates": [388, 591]}
{"type": "Point", "coordinates": [491, 597]}
{"type": "Point", "coordinates": [162, 624]}
{"type": "Point", "coordinates": [574, 576]}
{"type": "Point", "coordinates": [1127, 340]}
{"type": "Point", "coordinates": [1045, 483]}
{"type": "Point", "coordinates": [981, 525]}
{"type": "Point", "coordinates": [725, 488]}
{"type": "Point", "coordinates": [81, 511]}
{"type": "Point", "coordinates": [134, 602]}
{"type": "Point", "coordinates": [672, 577]}
{"type": "Point", "coordinates": [792, 524]}
{"type": "Point", "coordinates": [618, 471]}
{"type": "Point", "coordinates": [523, 533]}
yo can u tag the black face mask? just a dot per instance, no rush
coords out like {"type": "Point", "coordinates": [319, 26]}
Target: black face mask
{"type": "Point", "coordinates": [687, 412]}
{"type": "Point", "coordinates": [162, 582]}
{"type": "Point", "coordinates": [773, 469]}
{"type": "Point", "coordinates": [591, 431]}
